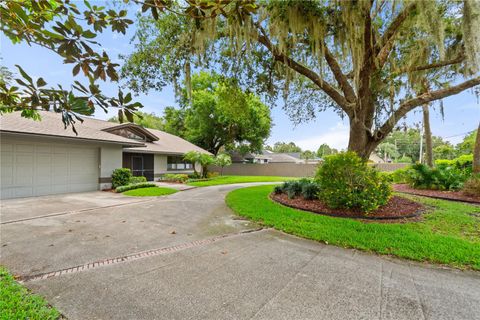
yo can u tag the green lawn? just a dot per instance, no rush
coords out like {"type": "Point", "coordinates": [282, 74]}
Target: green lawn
{"type": "Point", "coordinates": [16, 302]}
{"type": "Point", "coordinates": [150, 192]}
{"type": "Point", "coordinates": [449, 233]}
{"type": "Point", "coordinates": [238, 179]}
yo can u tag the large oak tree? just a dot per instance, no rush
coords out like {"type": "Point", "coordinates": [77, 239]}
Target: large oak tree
{"type": "Point", "coordinates": [358, 57]}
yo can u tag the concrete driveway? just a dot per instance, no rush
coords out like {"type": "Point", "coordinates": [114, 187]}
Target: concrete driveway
{"type": "Point", "coordinates": [186, 256]}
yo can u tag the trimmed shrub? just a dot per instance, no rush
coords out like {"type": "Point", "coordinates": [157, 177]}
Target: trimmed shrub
{"type": "Point", "coordinates": [135, 186]}
{"type": "Point", "coordinates": [346, 181]}
{"type": "Point", "coordinates": [175, 177]}
{"type": "Point", "coordinates": [121, 177]}
{"type": "Point", "coordinates": [134, 180]}
{"type": "Point", "coordinates": [471, 187]}
{"type": "Point", "coordinates": [310, 190]}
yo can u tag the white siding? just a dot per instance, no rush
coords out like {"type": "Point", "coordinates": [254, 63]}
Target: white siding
{"type": "Point", "coordinates": [110, 159]}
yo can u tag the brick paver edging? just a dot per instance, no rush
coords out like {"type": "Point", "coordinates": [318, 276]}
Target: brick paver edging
{"type": "Point", "coordinates": [131, 257]}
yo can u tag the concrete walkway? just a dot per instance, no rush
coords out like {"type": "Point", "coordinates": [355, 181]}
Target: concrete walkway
{"type": "Point", "coordinates": [186, 256]}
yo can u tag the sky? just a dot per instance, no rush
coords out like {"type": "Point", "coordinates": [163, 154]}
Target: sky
{"type": "Point", "coordinates": [462, 111]}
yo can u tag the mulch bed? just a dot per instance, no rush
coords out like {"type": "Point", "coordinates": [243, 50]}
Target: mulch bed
{"type": "Point", "coordinates": [396, 209]}
{"type": "Point", "coordinates": [438, 194]}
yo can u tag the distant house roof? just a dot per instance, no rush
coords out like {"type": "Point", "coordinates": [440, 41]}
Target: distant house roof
{"type": "Point", "coordinates": [376, 158]}
{"type": "Point", "coordinates": [97, 130]}
{"type": "Point", "coordinates": [298, 155]}
{"type": "Point", "coordinates": [282, 158]}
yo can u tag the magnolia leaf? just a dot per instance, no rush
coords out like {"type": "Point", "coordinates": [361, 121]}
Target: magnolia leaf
{"type": "Point", "coordinates": [41, 82]}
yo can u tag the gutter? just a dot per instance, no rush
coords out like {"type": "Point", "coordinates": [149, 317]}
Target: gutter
{"type": "Point", "coordinates": [125, 144]}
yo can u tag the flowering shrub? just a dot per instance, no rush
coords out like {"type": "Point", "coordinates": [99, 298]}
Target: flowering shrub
{"type": "Point", "coordinates": [346, 181]}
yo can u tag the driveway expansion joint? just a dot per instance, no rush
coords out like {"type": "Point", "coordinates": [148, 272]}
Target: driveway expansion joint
{"type": "Point", "coordinates": [133, 256]}
{"type": "Point", "coordinates": [75, 211]}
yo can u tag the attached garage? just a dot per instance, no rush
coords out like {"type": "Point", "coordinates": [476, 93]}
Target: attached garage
{"type": "Point", "coordinates": [44, 158]}
{"type": "Point", "coordinates": [30, 168]}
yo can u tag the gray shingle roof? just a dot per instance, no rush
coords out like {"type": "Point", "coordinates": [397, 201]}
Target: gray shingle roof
{"type": "Point", "coordinates": [168, 143]}
{"type": "Point", "coordinates": [51, 125]}
{"type": "Point", "coordinates": [92, 129]}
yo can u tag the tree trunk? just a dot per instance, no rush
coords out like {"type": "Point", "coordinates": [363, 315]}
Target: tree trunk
{"type": "Point", "coordinates": [360, 140]}
{"type": "Point", "coordinates": [428, 136]}
{"type": "Point", "coordinates": [204, 171]}
{"type": "Point", "coordinates": [476, 153]}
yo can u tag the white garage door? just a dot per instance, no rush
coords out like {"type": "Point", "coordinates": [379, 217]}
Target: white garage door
{"type": "Point", "coordinates": [35, 169]}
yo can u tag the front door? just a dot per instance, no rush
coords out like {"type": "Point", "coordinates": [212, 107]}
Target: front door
{"type": "Point", "coordinates": [137, 166]}
{"type": "Point", "coordinates": [141, 164]}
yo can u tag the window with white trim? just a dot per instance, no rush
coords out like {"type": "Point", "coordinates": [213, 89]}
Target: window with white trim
{"type": "Point", "coordinates": [177, 163]}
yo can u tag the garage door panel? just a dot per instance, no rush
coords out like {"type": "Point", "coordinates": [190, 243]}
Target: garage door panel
{"type": "Point", "coordinates": [41, 169]}
{"type": "Point", "coordinates": [20, 192]}
{"type": "Point", "coordinates": [24, 167]}
{"type": "Point", "coordinates": [60, 188]}
{"type": "Point", "coordinates": [44, 148]}
{"type": "Point", "coordinates": [7, 167]}
{"type": "Point", "coordinates": [6, 193]}
{"type": "Point", "coordinates": [81, 187]}
{"type": "Point", "coordinates": [43, 190]}
{"type": "Point", "coordinates": [7, 148]}
{"type": "Point", "coordinates": [30, 148]}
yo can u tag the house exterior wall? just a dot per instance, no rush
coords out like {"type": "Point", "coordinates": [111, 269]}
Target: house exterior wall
{"type": "Point", "coordinates": [110, 159]}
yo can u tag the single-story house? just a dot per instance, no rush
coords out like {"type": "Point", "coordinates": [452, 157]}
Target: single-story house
{"type": "Point", "coordinates": [248, 157]}
{"type": "Point", "coordinates": [42, 157]}
{"type": "Point", "coordinates": [270, 157]}
{"type": "Point", "coordinates": [375, 158]}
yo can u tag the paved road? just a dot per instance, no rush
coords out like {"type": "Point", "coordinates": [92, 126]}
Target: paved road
{"type": "Point", "coordinates": [186, 256]}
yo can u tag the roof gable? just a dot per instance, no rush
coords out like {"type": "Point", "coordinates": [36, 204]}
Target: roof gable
{"type": "Point", "coordinates": [132, 131]}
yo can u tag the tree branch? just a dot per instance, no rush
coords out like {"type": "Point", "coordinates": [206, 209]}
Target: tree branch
{"type": "Point", "coordinates": [387, 40]}
{"type": "Point", "coordinates": [339, 76]}
{"type": "Point", "coordinates": [425, 98]}
{"type": "Point", "coordinates": [438, 64]}
{"type": "Point", "coordinates": [333, 93]}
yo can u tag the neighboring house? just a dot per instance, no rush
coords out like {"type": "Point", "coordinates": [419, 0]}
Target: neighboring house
{"type": "Point", "coordinates": [248, 158]}
{"type": "Point", "coordinates": [270, 157]}
{"type": "Point", "coordinates": [42, 157]}
{"type": "Point", "coordinates": [375, 158]}
{"type": "Point", "coordinates": [298, 156]}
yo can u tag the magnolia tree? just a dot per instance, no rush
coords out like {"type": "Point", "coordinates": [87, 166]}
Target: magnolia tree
{"type": "Point", "coordinates": [371, 61]}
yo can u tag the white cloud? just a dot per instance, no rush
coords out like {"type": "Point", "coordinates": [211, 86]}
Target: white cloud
{"type": "Point", "coordinates": [335, 137]}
